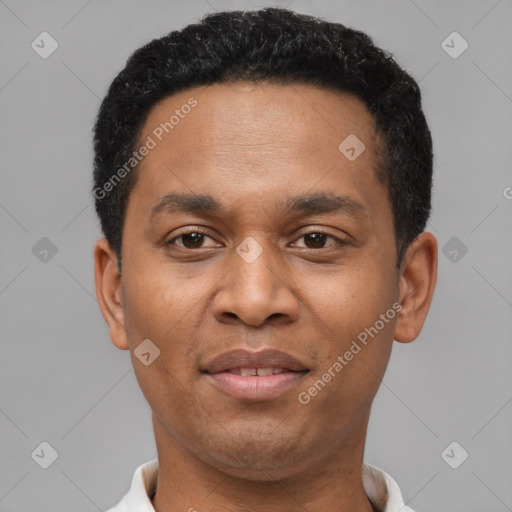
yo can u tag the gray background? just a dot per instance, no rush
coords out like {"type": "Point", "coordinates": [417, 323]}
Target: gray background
{"type": "Point", "coordinates": [63, 382]}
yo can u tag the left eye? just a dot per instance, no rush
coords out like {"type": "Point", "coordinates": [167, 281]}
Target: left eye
{"type": "Point", "coordinates": [192, 240]}
{"type": "Point", "coordinates": [318, 240]}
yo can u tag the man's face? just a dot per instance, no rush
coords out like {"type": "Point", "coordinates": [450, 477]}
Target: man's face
{"type": "Point", "coordinates": [264, 272]}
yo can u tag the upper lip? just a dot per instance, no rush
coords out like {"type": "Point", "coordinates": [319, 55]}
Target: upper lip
{"type": "Point", "coordinates": [245, 359]}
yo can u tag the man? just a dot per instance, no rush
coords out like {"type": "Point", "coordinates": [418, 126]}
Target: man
{"type": "Point", "coordinates": [263, 182]}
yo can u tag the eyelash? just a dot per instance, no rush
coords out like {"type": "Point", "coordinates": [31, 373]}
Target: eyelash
{"type": "Point", "coordinates": [204, 232]}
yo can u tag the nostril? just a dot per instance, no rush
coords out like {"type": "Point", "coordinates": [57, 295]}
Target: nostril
{"type": "Point", "coordinates": [276, 315]}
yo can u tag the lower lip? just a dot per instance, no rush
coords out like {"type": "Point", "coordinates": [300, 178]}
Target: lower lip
{"type": "Point", "coordinates": [253, 387]}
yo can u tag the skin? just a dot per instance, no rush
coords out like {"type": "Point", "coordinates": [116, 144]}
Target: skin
{"type": "Point", "coordinates": [251, 146]}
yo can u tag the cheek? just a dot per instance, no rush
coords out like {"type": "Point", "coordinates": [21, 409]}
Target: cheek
{"type": "Point", "coordinates": [352, 298]}
{"type": "Point", "coordinates": [352, 367]}
{"type": "Point", "coordinates": [155, 300]}
{"type": "Point", "coordinates": [158, 312]}
{"type": "Point", "coordinates": [164, 308]}
{"type": "Point", "coordinates": [355, 331]}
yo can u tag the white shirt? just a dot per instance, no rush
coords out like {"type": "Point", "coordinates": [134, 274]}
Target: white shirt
{"type": "Point", "coordinates": [380, 488]}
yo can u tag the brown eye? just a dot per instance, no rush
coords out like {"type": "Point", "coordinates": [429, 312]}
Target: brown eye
{"type": "Point", "coordinates": [317, 240]}
{"type": "Point", "coordinates": [192, 240]}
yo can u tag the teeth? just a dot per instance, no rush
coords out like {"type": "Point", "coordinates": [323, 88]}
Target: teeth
{"type": "Point", "coordinates": [245, 372]}
{"type": "Point", "coordinates": [262, 372]}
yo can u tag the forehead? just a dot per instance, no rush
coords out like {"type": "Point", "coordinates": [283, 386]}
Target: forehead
{"type": "Point", "coordinates": [251, 141]}
{"type": "Point", "coordinates": [253, 114]}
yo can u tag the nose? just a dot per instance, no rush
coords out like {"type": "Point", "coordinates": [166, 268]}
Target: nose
{"type": "Point", "coordinates": [256, 292]}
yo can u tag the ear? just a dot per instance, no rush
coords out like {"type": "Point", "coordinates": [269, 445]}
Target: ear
{"type": "Point", "coordinates": [418, 276]}
{"type": "Point", "coordinates": [109, 293]}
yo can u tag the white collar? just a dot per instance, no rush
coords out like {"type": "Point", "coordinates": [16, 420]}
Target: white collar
{"type": "Point", "coordinates": [380, 488]}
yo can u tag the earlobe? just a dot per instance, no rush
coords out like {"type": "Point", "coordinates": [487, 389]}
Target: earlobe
{"type": "Point", "coordinates": [418, 276]}
{"type": "Point", "coordinates": [109, 293]}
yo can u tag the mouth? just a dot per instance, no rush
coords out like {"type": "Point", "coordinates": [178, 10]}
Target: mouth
{"type": "Point", "coordinates": [255, 376]}
{"type": "Point", "coordinates": [260, 372]}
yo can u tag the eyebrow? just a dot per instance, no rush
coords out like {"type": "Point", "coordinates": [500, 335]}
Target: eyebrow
{"type": "Point", "coordinates": [313, 203]}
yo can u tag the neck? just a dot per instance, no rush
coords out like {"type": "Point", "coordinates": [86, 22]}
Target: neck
{"type": "Point", "coordinates": [188, 483]}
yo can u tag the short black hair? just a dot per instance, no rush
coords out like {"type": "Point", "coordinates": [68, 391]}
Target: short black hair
{"type": "Point", "coordinates": [277, 45]}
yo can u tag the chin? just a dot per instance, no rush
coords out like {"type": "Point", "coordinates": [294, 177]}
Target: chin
{"type": "Point", "coordinates": [256, 454]}
{"type": "Point", "coordinates": [259, 470]}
